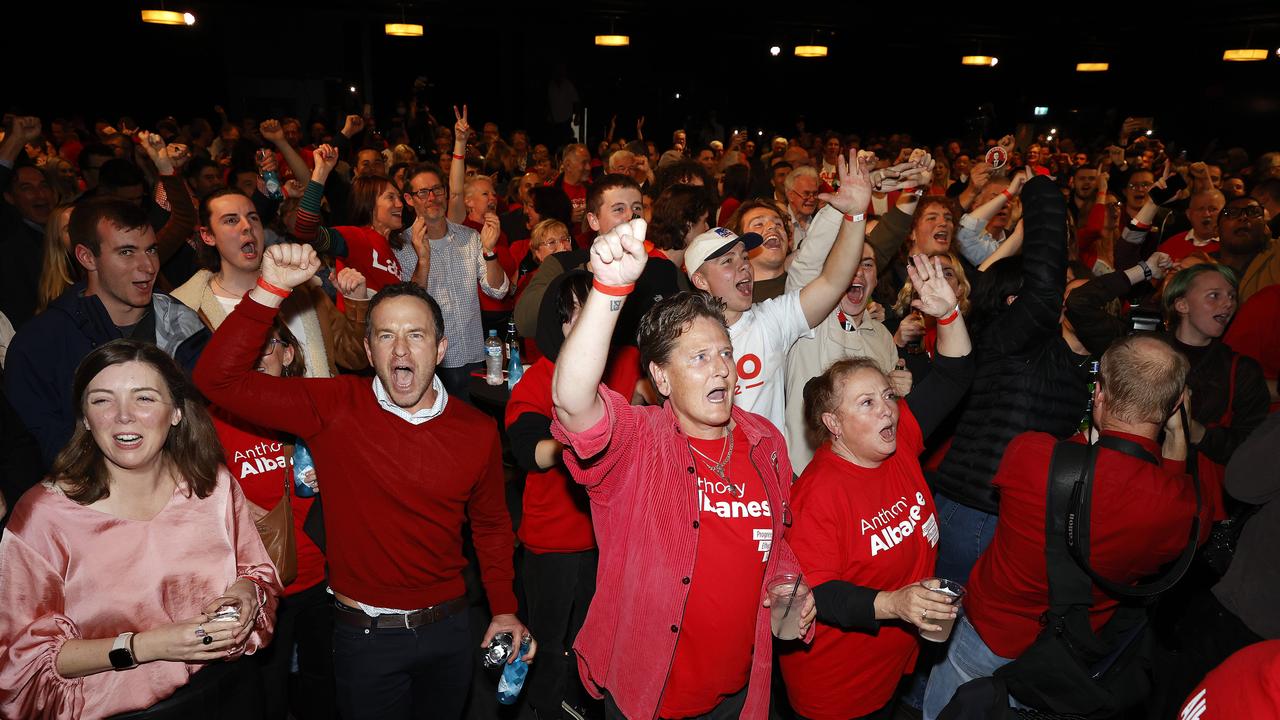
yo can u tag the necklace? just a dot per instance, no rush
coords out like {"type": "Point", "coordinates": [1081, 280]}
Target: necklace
{"type": "Point", "coordinates": [719, 467]}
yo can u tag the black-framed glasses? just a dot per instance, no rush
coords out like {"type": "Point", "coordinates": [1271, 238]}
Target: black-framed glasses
{"type": "Point", "coordinates": [1253, 212]}
{"type": "Point", "coordinates": [269, 349]}
{"type": "Point", "coordinates": [424, 193]}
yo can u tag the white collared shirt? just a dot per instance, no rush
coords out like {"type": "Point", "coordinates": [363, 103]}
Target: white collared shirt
{"type": "Point", "coordinates": [419, 417]}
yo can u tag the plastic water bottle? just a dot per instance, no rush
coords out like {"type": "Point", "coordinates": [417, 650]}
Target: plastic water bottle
{"type": "Point", "coordinates": [512, 680]}
{"type": "Point", "coordinates": [304, 471]}
{"type": "Point", "coordinates": [515, 370]}
{"type": "Point", "coordinates": [270, 179]}
{"type": "Point", "coordinates": [493, 359]}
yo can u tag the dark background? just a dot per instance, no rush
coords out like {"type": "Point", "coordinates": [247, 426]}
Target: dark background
{"type": "Point", "coordinates": [892, 66]}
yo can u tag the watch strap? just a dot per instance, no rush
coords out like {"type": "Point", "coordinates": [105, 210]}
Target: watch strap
{"type": "Point", "coordinates": [121, 655]}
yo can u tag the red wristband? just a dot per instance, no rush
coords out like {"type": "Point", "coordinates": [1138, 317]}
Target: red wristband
{"type": "Point", "coordinates": [456, 156]}
{"type": "Point", "coordinates": [277, 291]}
{"type": "Point", "coordinates": [855, 218]}
{"type": "Point", "coordinates": [955, 313]}
{"type": "Point", "coordinates": [1007, 195]}
{"type": "Point", "coordinates": [614, 290]}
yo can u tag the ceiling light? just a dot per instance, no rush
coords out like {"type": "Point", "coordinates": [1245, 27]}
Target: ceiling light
{"type": "Point", "coordinates": [167, 17]}
{"type": "Point", "coordinates": [404, 29]}
{"type": "Point", "coordinates": [613, 40]}
{"type": "Point", "coordinates": [811, 51]}
{"type": "Point", "coordinates": [1245, 55]}
{"type": "Point", "coordinates": [1092, 67]}
{"type": "Point", "coordinates": [776, 51]}
{"type": "Point", "coordinates": [985, 60]}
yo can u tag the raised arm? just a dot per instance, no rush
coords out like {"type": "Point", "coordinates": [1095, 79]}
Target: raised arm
{"type": "Point", "coordinates": [617, 259]}
{"type": "Point", "coordinates": [820, 297]}
{"type": "Point", "coordinates": [307, 228]}
{"type": "Point", "coordinates": [169, 160]}
{"type": "Point", "coordinates": [973, 224]}
{"type": "Point", "coordinates": [1033, 315]}
{"type": "Point", "coordinates": [226, 372]}
{"type": "Point", "coordinates": [1011, 246]}
{"type": "Point", "coordinates": [458, 167]}
{"type": "Point", "coordinates": [943, 388]}
{"type": "Point", "coordinates": [274, 134]}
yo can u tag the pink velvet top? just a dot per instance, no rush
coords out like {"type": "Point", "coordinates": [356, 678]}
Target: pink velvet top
{"type": "Point", "coordinates": [71, 572]}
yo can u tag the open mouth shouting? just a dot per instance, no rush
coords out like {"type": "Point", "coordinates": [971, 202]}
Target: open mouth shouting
{"type": "Point", "coordinates": [402, 377]}
{"type": "Point", "coordinates": [889, 433]}
{"type": "Point", "coordinates": [718, 395]}
{"type": "Point", "coordinates": [249, 250]}
{"type": "Point", "coordinates": [856, 293]}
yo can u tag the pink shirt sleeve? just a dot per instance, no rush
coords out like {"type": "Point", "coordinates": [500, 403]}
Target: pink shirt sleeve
{"type": "Point", "coordinates": [72, 572]}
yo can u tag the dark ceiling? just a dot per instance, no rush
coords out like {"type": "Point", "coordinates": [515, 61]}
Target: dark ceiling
{"type": "Point", "coordinates": [892, 66]}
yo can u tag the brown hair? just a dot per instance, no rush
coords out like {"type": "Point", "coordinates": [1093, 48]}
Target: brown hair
{"type": "Point", "coordinates": [822, 395]}
{"type": "Point", "coordinates": [122, 214]}
{"type": "Point", "coordinates": [364, 199]}
{"type": "Point", "coordinates": [192, 449]}
{"type": "Point", "coordinates": [734, 222]}
{"type": "Point", "coordinates": [918, 216]}
{"type": "Point", "coordinates": [297, 368]}
{"type": "Point", "coordinates": [669, 318]}
{"type": "Point", "coordinates": [1142, 377]}
{"type": "Point", "coordinates": [674, 213]}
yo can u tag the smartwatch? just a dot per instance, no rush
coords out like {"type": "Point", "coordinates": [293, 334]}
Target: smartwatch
{"type": "Point", "coordinates": [121, 654]}
{"type": "Point", "coordinates": [1146, 269]}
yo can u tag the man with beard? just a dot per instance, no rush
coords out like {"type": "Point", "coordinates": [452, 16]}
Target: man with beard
{"type": "Point", "coordinates": [1245, 247]}
{"type": "Point", "coordinates": [440, 256]}
{"type": "Point", "coordinates": [405, 466]}
{"type": "Point", "coordinates": [1202, 211]}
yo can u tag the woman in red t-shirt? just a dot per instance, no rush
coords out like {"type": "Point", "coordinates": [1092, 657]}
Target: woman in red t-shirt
{"type": "Point", "coordinates": [865, 528]}
{"type": "Point", "coordinates": [261, 461]}
{"type": "Point", "coordinates": [369, 242]}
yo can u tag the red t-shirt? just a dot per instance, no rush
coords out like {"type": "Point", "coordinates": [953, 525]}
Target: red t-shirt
{"type": "Point", "coordinates": [1147, 516]}
{"type": "Point", "coordinates": [258, 460]}
{"type": "Point", "coordinates": [557, 517]}
{"type": "Point", "coordinates": [1178, 247]}
{"type": "Point", "coordinates": [1255, 332]}
{"type": "Point", "coordinates": [875, 528]}
{"type": "Point", "coordinates": [577, 194]}
{"type": "Point", "coordinates": [509, 266]}
{"type": "Point", "coordinates": [1245, 685]}
{"type": "Point", "coordinates": [713, 651]}
{"type": "Point", "coordinates": [370, 253]}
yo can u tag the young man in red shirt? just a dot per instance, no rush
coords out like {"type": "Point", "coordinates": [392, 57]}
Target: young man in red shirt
{"type": "Point", "coordinates": [690, 502]}
{"type": "Point", "coordinates": [403, 469]}
{"type": "Point", "coordinates": [1149, 508]}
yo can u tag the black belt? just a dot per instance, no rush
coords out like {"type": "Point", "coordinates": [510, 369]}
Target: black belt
{"type": "Point", "coordinates": [426, 616]}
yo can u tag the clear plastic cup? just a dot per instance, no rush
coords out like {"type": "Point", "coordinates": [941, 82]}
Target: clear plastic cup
{"type": "Point", "coordinates": [786, 600]}
{"type": "Point", "coordinates": [955, 591]}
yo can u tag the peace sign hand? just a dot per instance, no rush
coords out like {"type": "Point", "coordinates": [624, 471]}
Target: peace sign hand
{"type": "Point", "coordinates": [461, 128]}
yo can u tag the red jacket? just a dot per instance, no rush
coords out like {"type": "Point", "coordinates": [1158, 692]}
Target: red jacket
{"type": "Point", "coordinates": [639, 475]}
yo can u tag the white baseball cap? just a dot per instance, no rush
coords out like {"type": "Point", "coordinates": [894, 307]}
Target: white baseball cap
{"type": "Point", "coordinates": [714, 243]}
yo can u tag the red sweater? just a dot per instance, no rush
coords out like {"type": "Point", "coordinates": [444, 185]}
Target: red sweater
{"type": "Point", "coordinates": [1148, 514]}
{"type": "Point", "coordinates": [396, 494]}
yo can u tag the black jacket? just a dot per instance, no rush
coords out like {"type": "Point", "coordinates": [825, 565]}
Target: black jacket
{"type": "Point", "coordinates": [1027, 376]}
{"type": "Point", "coordinates": [44, 355]}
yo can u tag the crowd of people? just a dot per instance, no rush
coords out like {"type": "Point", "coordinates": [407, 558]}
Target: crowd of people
{"type": "Point", "coordinates": [799, 429]}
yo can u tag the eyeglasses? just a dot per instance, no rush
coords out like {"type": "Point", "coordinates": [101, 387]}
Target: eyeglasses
{"type": "Point", "coordinates": [1140, 186]}
{"type": "Point", "coordinates": [424, 193]}
{"type": "Point", "coordinates": [1253, 212]}
{"type": "Point", "coordinates": [806, 195]}
{"type": "Point", "coordinates": [270, 347]}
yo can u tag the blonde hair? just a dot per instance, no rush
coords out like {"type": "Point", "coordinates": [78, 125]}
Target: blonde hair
{"type": "Point", "coordinates": [57, 273]}
{"type": "Point", "coordinates": [903, 304]}
{"type": "Point", "coordinates": [1142, 377]}
{"type": "Point", "coordinates": [541, 232]}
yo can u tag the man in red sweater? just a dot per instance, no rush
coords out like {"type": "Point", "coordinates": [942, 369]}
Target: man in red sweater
{"type": "Point", "coordinates": [1149, 508]}
{"type": "Point", "coordinates": [403, 469]}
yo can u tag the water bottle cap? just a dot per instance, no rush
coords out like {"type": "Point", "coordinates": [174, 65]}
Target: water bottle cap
{"type": "Point", "coordinates": [493, 333]}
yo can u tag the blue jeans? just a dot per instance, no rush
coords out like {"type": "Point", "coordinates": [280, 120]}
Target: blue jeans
{"type": "Point", "coordinates": [965, 533]}
{"type": "Point", "coordinates": [968, 658]}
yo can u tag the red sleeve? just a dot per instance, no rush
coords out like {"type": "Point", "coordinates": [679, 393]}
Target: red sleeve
{"type": "Point", "coordinates": [819, 531]}
{"type": "Point", "coordinates": [226, 376]}
{"type": "Point", "coordinates": [491, 533]}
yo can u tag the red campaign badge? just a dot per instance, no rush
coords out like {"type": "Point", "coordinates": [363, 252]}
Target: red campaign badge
{"type": "Point", "coordinates": [997, 157]}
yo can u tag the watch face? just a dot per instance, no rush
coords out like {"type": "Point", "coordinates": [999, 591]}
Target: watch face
{"type": "Point", "coordinates": [120, 658]}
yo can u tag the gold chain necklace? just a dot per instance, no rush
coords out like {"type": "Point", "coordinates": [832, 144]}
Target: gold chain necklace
{"type": "Point", "coordinates": [719, 468]}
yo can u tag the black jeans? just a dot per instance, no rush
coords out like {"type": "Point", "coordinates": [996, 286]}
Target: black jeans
{"type": "Point", "coordinates": [558, 590]}
{"type": "Point", "coordinates": [1207, 634]}
{"type": "Point", "coordinates": [305, 618]}
{"type": "Point", "coordinates": [221, 691]}
{"type": "Point", "coordinates": [729, 708]}
{"type": "Point", "coordinates": [403, 673]}
{"type": "Point", "coordinates": [457, 380]}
